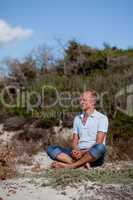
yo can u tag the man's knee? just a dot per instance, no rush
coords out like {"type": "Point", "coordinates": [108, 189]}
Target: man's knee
{"type": "Point", "coordinates": [100, 147]}
{"type": "Point", "coordinates": [97, 150]}
{"type": "Point", "coordinates": [50, 150]}
{"type": "Point", "coordinates": [53, 151]}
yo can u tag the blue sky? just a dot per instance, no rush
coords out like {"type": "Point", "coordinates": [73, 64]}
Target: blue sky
{"type": "Point", "coordinates": [42, 21]}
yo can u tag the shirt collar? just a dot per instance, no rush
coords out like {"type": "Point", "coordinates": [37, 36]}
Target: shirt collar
{"type": "Point", "coordinates": [92, 115]}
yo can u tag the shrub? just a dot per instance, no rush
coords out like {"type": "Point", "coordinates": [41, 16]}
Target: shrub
{"type": "Point", "coordinates": [7, 162]}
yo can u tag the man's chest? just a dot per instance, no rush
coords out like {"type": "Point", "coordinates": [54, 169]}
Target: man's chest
{"type": "Point", "coordinates": [88, 128]}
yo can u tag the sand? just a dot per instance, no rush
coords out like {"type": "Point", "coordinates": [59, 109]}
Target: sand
{"type": "Point", "coordinates": [25, 188]}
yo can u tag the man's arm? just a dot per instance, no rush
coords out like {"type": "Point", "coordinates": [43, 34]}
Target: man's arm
{"type": "Point", "coordinates": [76, 153]}
{"type": "Point", "coordinates": [102, 130]}
{"type": "Point", "coordinates": [75, 141]}
{"type": "Point", "coordinates": [100, 137]}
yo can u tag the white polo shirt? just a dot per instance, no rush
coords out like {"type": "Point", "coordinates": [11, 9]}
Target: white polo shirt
{"type": "Point", "coordinates": [87, 133]}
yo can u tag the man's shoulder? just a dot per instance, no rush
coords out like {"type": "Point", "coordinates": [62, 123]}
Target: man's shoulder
{"type": "Point", "coordinates": [96, 113]}
{"type": "Point", "coordinates": [78, 116]}
{"type": "Point", "coordinates": [101, 115]}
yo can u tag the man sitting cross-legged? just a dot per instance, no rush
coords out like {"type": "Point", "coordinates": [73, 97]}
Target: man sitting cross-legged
{"type": "Point", "coordinates": [89, 135]}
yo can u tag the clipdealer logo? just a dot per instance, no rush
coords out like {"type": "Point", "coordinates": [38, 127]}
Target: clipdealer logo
{"type": "Point", "coordinates": [124, 100]}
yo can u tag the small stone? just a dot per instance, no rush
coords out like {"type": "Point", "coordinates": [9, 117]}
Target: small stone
{"type": "Point", "coordinates": [12, 191]}
{"type": "Point", "coordinates": [63, 193]}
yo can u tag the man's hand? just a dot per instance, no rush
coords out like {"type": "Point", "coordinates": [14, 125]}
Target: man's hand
{"type": "Point", "coordinates": [76, 154]}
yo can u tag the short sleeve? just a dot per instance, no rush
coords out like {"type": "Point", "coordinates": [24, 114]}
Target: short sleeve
{"type": "Point", "coordinates": [103, 124]}
{"type": "Point", "coordinates": [75, 125]}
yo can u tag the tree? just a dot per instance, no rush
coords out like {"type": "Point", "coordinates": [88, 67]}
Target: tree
{"type": "Point", "coordinates": [22, 72]}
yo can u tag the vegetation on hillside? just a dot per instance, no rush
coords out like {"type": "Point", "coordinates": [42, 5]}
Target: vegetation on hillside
{"type": "Point", "coordinates": [43, 87]}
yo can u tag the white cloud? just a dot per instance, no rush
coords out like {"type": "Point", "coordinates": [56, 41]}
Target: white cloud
{"type": "Point", "coordinates": [10, 34]}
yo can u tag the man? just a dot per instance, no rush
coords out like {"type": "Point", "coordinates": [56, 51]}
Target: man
{"type": "Point", "coordinates": [89, 135]}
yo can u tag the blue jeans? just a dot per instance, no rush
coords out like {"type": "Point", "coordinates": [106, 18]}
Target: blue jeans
{"type": "Point", "coordinates": [97, 151]}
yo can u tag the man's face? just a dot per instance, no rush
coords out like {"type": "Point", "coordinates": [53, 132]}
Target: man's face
{"type": "Point", "coordinates": [86, 101]}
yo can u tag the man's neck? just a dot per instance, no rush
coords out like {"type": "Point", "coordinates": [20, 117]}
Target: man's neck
{"type": "Point", "coordinates": [89, 111]}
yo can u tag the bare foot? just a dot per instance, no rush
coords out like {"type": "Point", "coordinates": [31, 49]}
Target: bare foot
{"type": "Point", "coordinates": [58, 165]}
{"type": "Point", "coordinates": [53, 164]}
{"type": "Point", "coordinates": [87, 165]}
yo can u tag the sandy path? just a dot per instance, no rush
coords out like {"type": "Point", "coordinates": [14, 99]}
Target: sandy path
{"type": "Point", "coordinates": [23, 190]}
{"type": "Point", "coordinates": [28, 189]}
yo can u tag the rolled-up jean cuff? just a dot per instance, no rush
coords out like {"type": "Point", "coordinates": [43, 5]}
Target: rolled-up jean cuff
{"type": "Point", "coordinates": [55, 153]}
{"type": "Point", "coordinates": [54, 150]}
{"type": "Point", "coordinates": [97, 150]}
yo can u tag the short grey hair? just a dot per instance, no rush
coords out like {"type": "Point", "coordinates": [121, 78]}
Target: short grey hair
{"type": "Point", "coordinates": [93, 93]}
